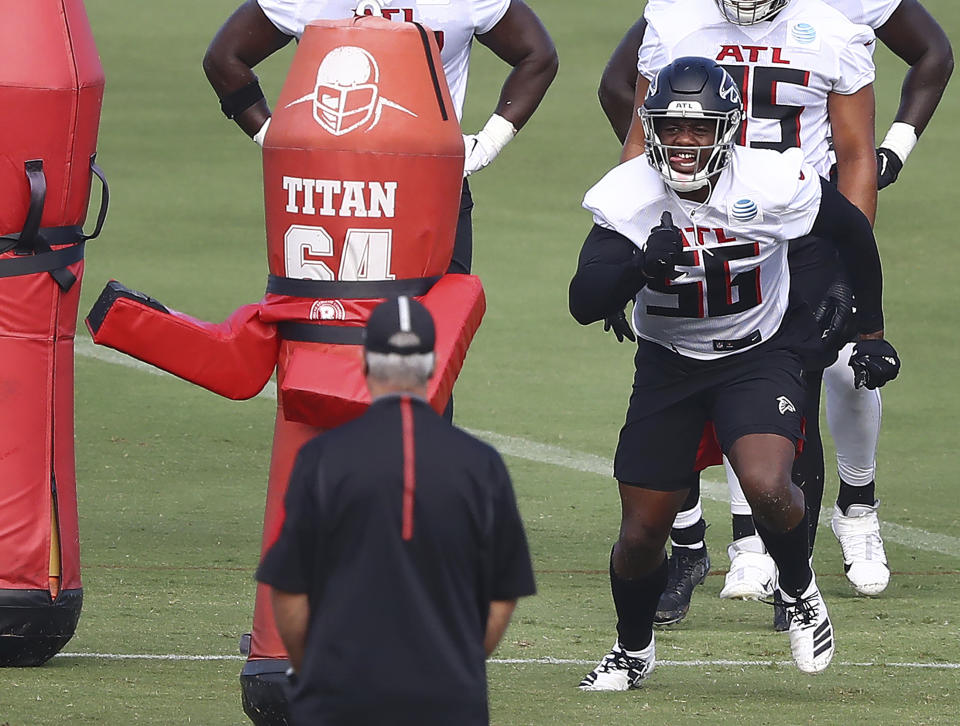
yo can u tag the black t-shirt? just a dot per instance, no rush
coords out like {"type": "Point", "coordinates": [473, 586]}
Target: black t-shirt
{"type": "Point", "coordinates": [400, 568]}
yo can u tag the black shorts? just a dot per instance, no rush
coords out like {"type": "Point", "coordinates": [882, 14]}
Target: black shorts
{"type": "Point", "coordinates": [759, 391]}
{"type": "Point", "coordinates": [462, 260]}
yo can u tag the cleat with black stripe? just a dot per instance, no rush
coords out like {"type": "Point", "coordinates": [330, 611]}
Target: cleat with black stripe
{"type": "Point", "coordinates": [811, 632]}
{"type": "Point", "coordinates": [618, 671]}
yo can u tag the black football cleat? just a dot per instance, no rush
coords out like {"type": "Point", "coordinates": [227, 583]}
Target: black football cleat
{"type": "Point", "coordinates": [687, 568]}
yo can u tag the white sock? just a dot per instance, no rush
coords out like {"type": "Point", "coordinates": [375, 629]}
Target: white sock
{"type": "Point", "coordinates": [853, 416]}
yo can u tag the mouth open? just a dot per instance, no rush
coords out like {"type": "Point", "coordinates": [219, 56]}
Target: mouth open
{"type": "Point", "coordinates": [684, 161]}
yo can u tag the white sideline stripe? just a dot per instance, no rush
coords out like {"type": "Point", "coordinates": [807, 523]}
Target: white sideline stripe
{"type": "Point", "coordinates": [520, 448]}
{"type": "Point", "coordinates": [532, 661]}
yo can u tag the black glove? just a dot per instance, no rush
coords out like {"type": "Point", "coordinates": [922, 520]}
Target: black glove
{"type": "Point", "coordinates": [874, 363]}
{"type": "Point", "coordinates": [834, 315]}
{"type": "Point", "coordinates": [888, 167]}
{"type": "Point", "coordinates": [618, 323]}
{"type": "Point", "coordinates": [661, 253]}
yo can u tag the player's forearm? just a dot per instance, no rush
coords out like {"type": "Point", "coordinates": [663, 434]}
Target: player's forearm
{"type": "Point", "coordinates": [605, 279]}
{"type": "Point", "coordinates": [525, 87]}
{"type": "Point", "coordinates": [848, 228]}
{"type": "Point", "coordinates": [245, 39]}
{"type": "Point", "coordinates": [857, 181]}
{"type": "Point", "coordinates": [923, 87]}
{"type": "Point", "coordinates": [291, 611]}
{"type": "Point", "coordinates": [636, 141]}
{"type": "Point", "coordinates": [619, 81]}
{"type": "Point", "coordinates": [497, 622]}
{"type": "Point", "coordinates": [521, 41]}
{"type": "Point", "coordinates": [916, 37]}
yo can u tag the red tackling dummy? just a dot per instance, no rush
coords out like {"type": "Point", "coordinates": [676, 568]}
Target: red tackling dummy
{"type": "Point", "coordinates": [363, 167]}
{"type": "Point", "coordinates": [51, 89]}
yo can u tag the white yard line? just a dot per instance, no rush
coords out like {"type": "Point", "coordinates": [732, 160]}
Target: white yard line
{"type": "Point", "coordinates": [534, 661]}
{"type": "Point", "coordinates": [912, 537]}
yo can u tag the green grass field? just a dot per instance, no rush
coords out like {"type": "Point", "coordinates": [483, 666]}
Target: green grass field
{"type": "Point", "coordinates": [172, 478]}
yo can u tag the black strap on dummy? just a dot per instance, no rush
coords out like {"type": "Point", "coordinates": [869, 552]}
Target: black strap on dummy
{"type": "Point", "coordinates": [340, 290]}
{"type": "Point", "coordinates": [321, 332]}
{"type": "Point", "coordinates": [32, 246]}
{"type": "Point", "coordinates": [433, 71]}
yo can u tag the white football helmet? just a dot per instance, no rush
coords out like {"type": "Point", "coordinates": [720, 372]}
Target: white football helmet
{"type": "Point", "coordinates": [749, 12]}
{"type": "Point", "coordinates": [347, 91]}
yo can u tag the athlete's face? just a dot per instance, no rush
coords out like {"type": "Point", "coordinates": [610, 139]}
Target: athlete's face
{"type": "Point", "coordinates": [684, 134]}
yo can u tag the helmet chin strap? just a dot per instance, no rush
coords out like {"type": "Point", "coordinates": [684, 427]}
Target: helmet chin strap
{"type": "Point", "coordinates": [687, 185]}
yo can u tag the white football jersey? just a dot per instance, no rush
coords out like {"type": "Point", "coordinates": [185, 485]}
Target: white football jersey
{"type": "Point", "coordinates": [736, 288]}
{"type": "Point", "coordinates": [785, 67]}
{"type": "Point", "coordinates": [456, 20]}
{"type": "Point", "coordinates": [866, 12]}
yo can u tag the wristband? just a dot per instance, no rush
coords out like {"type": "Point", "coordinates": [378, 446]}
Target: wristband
{"type": "Point", "coordinates": [236, 102]}
{"type": "Point", "coordinates": [499, 131]}
{"type": "Point", "coordinates": [900, 139]}
{"type": "Point", "coordinates": [262, 133]}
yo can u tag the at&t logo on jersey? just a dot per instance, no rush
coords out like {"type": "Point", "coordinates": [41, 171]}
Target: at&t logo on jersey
{"type": "Point", "coordinates": [744, 210]}
{"type": "Point", "coordinates": [347, 93]}
{"type": "Point", "coordinates": [803, 35]}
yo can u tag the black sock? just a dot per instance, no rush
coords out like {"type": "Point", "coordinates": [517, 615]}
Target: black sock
{"type": "Point", "coordinates": [855, 495]}
{"type": "Point", "coordinates": [789, 551]}
{"type": "Point", "coordinates": [636, 603]}
{"type": "Point", "coordinates": [687, 537]}
{"type": "Point", "coordinates": [743, 526]}
{"type": "Point", "coordinates": [808, 467]}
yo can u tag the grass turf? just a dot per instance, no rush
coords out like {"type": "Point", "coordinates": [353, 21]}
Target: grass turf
{"type": "Point", "coordinates": [172, 479]}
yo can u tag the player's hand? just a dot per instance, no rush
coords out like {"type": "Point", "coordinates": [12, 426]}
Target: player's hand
{"type": "Point", "coordinates": [662, 251]}
{"type": "Point", "coordinates": [889, 166]}
{"type": "Point", "coordinates": [618, 323]}
{"type": "Point", "coordinates": [874, 362]}
{"type": "Point", "coordinates": [834, 315]}
{"type": "Point", "coordinates": [262, 133]}
{"type": "Point", "coordinates": [478, 153]}
{"type": "Point", "coordinates": [482, 147]}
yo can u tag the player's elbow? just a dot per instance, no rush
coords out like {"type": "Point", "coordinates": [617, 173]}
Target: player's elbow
{"type": "Point", "coordinates": [544, 62]}
{"type": "Point", "coordinates": [582, 302]}
{"type": "Point", "coordinates": [213, 62]}
{"type": "Point", "coordinates": [945, 60]}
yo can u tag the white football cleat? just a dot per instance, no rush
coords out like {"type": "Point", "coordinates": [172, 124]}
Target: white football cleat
{"type": "Point", "coordinates": [811, 632]}
{"type": "Point", "coordinates": [753, 573]}
{"type": "Point", "coordinates": [618, 671]}
{"type": "Point", "coordinates": [864, 560]}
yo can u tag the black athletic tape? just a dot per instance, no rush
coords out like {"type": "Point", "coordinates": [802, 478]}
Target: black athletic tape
{"type": "Point", "coordinates": [236, 102]}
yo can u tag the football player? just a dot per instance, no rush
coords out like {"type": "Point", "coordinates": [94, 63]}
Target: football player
{"type": "Point", "coordinates": [853, 413]}
{"type": "Point", "coordinates": [696, 233]}
{"type": "Point", "coordinates": [259, 28]}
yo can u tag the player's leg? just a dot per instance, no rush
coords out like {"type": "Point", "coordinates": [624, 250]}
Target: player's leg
{"type": "Point", "coordinates": [759, 426]}
{"type": "Point", "coordinates": [462, 259]}
{"type": "Point", "coordinates": [854, 417]}
{"type": "Point", "coordinates": [752, 574]}
{"type": "Point", "coordinates": [763, 463]}
{"type": "Point", "coordinates": [638, 574]}
{"type": "Point", "coordinates": [689, 561]}
{"type": "Point", "coordinates": [655, 465]}
{"type": "Point", "coordinates": [808, 466]}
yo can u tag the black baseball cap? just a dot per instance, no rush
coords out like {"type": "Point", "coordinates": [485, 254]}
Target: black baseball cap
{"type": "Point", "coordinates": [400, 325]}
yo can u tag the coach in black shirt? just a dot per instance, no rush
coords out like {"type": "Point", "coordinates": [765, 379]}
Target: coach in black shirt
{"type": "Point", "coordinates": [402, 555]}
